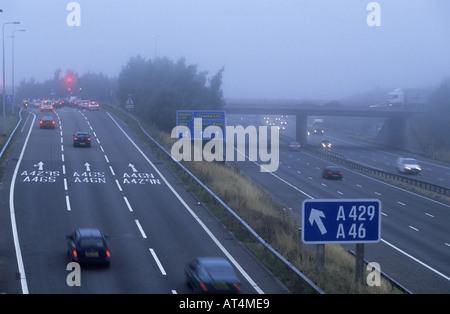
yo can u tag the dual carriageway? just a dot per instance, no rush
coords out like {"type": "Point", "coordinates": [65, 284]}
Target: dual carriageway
{"type": "Point", "coordinates": [155, 225]}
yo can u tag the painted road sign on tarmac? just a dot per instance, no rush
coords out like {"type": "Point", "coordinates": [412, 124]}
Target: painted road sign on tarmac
{"type": "Point", "coordinates": [341, 221]}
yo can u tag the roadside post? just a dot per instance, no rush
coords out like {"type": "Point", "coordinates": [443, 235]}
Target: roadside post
{"type": "Point", "coordinates": [341, 221]}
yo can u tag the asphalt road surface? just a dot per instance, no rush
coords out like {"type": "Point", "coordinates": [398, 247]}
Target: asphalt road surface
{"type": "Point", "coordinates": [153, 224]}
{"type": "Point", "coordinates": [415, 240]}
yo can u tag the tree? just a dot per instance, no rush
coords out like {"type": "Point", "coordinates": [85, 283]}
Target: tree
{"type": "Point", "coordinates": [161, 87]}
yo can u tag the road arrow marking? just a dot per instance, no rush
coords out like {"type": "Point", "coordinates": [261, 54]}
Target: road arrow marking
{"type": "Point", "coordinates": [88, 166]}
{"type": "Point", "coordinates": [315, 216]}
{"type": "Point", "coordinates": [132, 167]}
{"type": "Point", "coordinates": [40, 165]}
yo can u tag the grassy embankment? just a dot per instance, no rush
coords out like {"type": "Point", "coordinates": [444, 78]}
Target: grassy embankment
{"type": "Point", "coordinates": [268, 218]}
{"type": "Point", "coordinates": [11, 122]}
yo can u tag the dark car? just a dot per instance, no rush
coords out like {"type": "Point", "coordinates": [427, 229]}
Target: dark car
{"type": "Point", "coordinates": [212, 275]}
{"type": "Point", "coordinates": [88, 245]}
{"type": "Point", "coordinates": [294, 146]}
{"type": "Point", "coordinates": [82, 139]}
{"type": "Point", "coordinates": [47, 122]}
{"type": "Point", "coordinates": [332, 172]}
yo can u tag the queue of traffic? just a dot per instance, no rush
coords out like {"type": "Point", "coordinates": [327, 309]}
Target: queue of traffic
{"type": "Point", "coordinates": [50, 104]}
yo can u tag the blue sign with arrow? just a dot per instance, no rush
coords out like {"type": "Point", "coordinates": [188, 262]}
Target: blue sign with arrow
{"type": "Point", "coordinates": [341, 221]}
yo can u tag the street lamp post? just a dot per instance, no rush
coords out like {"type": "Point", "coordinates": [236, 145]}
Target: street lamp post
{"type": "Point", "coordinates": [4, 95]}
{"type": "Point", "coordinates": [13, 94]}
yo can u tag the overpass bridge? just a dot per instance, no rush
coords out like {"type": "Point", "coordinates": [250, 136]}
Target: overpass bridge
{"type": "Point", "coordinates": [395, 124]}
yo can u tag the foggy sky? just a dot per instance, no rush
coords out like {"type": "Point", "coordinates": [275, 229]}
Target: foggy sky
{"type": "Point", "coordinates": [291, 49]}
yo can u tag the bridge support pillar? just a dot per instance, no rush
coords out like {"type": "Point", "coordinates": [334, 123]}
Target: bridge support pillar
{"type": "Point", "coordinates": [396, 132]}
{"type": "Point", "coordinates": [301, 125]}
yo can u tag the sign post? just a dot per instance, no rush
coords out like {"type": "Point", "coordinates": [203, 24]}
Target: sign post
{"type": "Point", "coordinates": [342, 221]}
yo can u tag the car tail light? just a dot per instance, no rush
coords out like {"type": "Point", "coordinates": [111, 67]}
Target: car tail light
{"type": "Point", "coordinates": [238, 288]}
{"type": "Point", "coordinates": [340, 172]}
{"type": "Point", "coordinates": [203, 286]}
{"type": "Point", "coordinates": [74, 253]}
{"type": "Point", "coordinates": [75, 138]}
{"type": "Point", "coordinates": [88, 138]}
{"type": "Point", "coordinates": [53, 122]}
{"type": "Point", "coordinates": [108, 253]}
{"type": "Point", "coordinates": [40, 122]}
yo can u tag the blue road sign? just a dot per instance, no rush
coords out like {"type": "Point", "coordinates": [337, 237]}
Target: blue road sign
{"type": "Point", "coordinates": [197, 121]}
{"type": "Point", "coordinates": [341, 221]}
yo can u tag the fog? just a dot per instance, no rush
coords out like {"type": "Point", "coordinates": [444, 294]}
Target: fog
{"type": "Point", "coordinates": [290, 49]}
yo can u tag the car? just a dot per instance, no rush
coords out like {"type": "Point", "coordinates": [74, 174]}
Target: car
{"type": "Point", "coordinates": [325, 144]}
{"type": "Point", "coordinates": [84, 104]}
{"type": "Point", "coordinates": [46, 105]}
{"type": "Point", "coordinates": [294, 146]}
{"type": "Point", "coordinates": [47, 122]}
{"type": "Point", "coordinates": [212, 275]}
{"type": "Point", "coordinates": [93, 105]}
{"type": "Point", "coordinates": [332, 172]}
{"type": "Point", "coordinates": [88, 245]}
{"type": "Point", "coordinates": [82, 139]}
{"type": "Point", "coordinates": [408, 165]}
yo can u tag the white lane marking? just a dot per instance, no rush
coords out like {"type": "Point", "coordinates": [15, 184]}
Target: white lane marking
{"type": "Point", "coordinates": [417, 260]}
{"type": "Point", "coordinates": [140, 229]}
{"type": "Point", "coordinates": [128, 204]}
{"type": "Point", "coordinates": [23, 278]}
{"type": "Point", "coordinates": [199, 221]}
{"type": "Point", "coordinates": [112, 171]}
{"type": "Point", "coordinates": [413, 228]}
{"type": "Point", "coordinates": [118, 185]}
{"type": "Point", "coordinates": [68, 203]}
{"type": "Point", "coordinates": [161, 268]}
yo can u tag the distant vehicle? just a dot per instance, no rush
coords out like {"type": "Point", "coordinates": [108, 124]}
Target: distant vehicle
{"type": "Point", "coordinates": [212, 275]}
{"type": "Point", "coordinates": [408, 165]}
{"type": "Point", "coordinates": [82, 139]}
{"type": "Point", "coordinates": [325, 144]}
{"type": "Point", "coordinates": [294, 146]}
{"type": "Point", "coordinates": [84, 104]}
{"type": "Point", "coordinates": [404, 97]}
{"type": "Point", "coordinates": [318, 131]}
{"type": "Point", "coordinates": [93, 105]}
{"type": "Point", "coordinates": [46, 105]}
{"type": "Point", "coordinates": [88, 245]}
{"type": "Point", "coordinates": [47, 122]}
{"type": "Point", "coordinates": [58, 103]}
{"type": "Point", "coordinates": [332, 172]}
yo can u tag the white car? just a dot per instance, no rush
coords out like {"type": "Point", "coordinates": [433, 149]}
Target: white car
{"type": "Point", "coordinates": [408, 165]}
{"type": "Point", "coordinates": [84, 104]}
{"type": "Point", "coordinates": [46, 105]}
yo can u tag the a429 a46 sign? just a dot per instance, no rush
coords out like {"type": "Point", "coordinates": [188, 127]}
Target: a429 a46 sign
{"type": "Point", "coordinates": [341, 221]}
